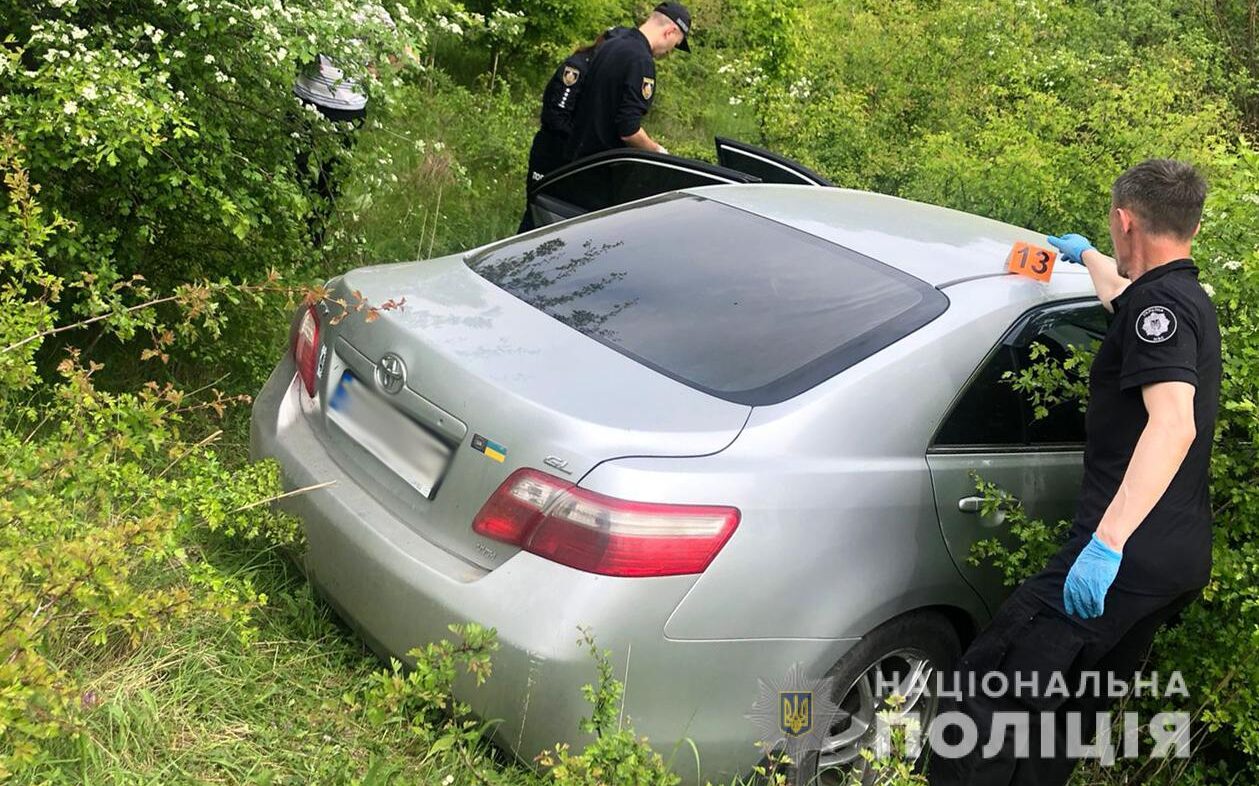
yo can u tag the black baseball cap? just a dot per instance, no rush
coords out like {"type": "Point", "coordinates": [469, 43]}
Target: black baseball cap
{"type": "Point", "coordinates": [681, 17]}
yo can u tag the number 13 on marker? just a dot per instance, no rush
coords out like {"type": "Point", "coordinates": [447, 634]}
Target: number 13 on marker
{"type": "Point", "coordinates": [1031, 261]}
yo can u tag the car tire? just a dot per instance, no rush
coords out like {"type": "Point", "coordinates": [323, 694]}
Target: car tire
{"type": "Point", "coordinates": [892, 648]}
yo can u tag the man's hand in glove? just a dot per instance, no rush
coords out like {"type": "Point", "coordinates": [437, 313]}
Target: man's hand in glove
{"type": "Point", "coordinates": [1084, 592]}
{"type": "Point", "coordinates": [1072, 247]}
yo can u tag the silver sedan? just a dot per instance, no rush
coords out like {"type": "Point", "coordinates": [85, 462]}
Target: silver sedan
{"type": "Point", "coordinates": [730, 429]}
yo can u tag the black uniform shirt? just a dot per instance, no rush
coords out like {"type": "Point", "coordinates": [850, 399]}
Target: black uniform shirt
{"type": "Point", "coordinates": [1164, 329]}
{"type": "Point", "coordinates": [562, 92]}
{"type": "Point", "coordinates": [620, 86]}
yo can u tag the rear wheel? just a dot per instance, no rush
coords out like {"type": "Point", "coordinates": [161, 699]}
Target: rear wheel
{"type": "Point", "coordinates": [900, 657]}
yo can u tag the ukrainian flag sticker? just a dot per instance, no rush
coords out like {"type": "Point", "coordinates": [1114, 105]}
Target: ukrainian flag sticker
{"type": "Point", "coordinates": [489, 447]}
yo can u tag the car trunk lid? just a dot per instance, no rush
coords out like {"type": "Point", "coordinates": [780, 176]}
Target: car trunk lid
{"type": "Point", "coordinates": [500, 385]}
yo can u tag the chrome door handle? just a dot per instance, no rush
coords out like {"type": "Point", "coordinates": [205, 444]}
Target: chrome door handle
{"type": "Point", "coordinates": [970, 504]}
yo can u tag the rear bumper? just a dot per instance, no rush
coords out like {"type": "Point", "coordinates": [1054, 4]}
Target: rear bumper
{"type": "Point", "coordinates": [401, 591]}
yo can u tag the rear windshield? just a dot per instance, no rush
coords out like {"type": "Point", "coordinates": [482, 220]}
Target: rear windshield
{"type": "Point", "coordinates": [733, 304]}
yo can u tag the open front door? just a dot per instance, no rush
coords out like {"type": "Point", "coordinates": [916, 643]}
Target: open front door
{"type": "Point", "coordinates": [615, 177]}
{"type": "Point", "coordinates": [766, 166]}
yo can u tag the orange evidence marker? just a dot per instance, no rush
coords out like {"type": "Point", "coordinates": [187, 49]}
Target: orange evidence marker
{"type": "Point", "coordinates": [1031, 261]}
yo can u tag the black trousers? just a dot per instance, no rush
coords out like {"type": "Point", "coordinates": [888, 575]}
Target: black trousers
{"type": "Point", "coordinates": [1032, 637]}
{"type": "Point", "coordinates": [324, 183]}
{"type": "Point", "coordinates": [546, 155]}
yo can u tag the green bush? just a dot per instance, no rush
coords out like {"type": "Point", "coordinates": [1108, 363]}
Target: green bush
{"type": "Point", "coordinates": [617, 755]}
{"type": "Point", "coordinates": [1014, 110]}
{"type": "Point", "coordinates": [106, 502]}
{"type": "Point", "coordinates": [166, 131]}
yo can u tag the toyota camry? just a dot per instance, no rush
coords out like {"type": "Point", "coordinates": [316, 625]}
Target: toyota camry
{"type": "Point", "coordinates": [732, 429]}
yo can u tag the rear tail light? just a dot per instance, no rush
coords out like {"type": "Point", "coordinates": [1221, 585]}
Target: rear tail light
{"type": "Point", "coordinates": [306, 349]}
{"type": "Point", "coordinates": [600, 534]}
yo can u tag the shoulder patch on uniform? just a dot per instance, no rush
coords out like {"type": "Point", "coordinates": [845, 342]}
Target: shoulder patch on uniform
{"type": "Point", "coordinates": [649, 87]}
{"type": "Point", "coordinates": [1156, 324]}
{"type": "Point", "coordinates": [571, 75]}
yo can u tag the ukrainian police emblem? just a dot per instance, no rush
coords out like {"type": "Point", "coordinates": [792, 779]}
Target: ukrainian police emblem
{"type": "Point", "coordinates": [796, 716]}
{"type": "Point", "coordinates": [1156, 324]}
{"type": "Point", "coordinates": [571, 75]}
{"type": "Point", "coordinates": [649, 87]}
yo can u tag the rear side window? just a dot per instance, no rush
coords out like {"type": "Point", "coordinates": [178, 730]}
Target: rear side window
{"type": "Point", "coordinates": [991, 413]}
{"type": "Point", "coordinates": [727, 302]}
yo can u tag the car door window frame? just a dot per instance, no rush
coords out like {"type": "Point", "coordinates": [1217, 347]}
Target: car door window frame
{"type": "Point", "coordinates": [803, 173]}
{"type": "Point", "coordinates": [719, 175]}
{"type": "Point", "coordinates": [1015, 336]}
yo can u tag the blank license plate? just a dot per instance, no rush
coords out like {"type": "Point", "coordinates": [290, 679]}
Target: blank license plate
{"type": "Point", "coordinates": [405, 447]}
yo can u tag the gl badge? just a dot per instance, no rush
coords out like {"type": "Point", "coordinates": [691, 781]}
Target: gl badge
{"type": "Point", "coordinates": [391, 373]}
{"type": "Point", "coordinates": [555, 462]}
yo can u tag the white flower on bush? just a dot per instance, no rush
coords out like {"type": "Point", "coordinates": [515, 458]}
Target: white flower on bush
{"type": "Point", "coordinates": [209, 59]}
{"type": "Point", "coordinates": [88, 92]}
{"type": "Point", "coordinates": [1233, 264]}
{"type": "Point", "coordinates": [70, 108]}
{"type": "Point", "coordinates": [1210, 290]}
{"type": "Point", "coordinates": [449, 26]}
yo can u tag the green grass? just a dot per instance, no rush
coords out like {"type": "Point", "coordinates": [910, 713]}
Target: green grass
{"type": "Point", "coordinates": [196, 706]}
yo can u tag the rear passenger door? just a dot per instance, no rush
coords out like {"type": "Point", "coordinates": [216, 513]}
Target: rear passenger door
{"type": "Point", "coordinates": [615, 177]}
{"type": "Point", "coordinates": [768, 167]}
{"type": "Point", "coordinates": [991, 431]}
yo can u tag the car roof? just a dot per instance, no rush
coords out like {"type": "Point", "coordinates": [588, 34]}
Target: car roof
{"type": "Point", "coordinates": [935, 244]}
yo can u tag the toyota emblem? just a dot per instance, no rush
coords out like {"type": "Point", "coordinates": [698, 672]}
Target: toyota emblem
{"type": "Point", "coordinates": [391, 373]}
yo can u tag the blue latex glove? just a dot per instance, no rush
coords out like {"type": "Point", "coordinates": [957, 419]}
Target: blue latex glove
{"type": "Point", "coordinates": [1084, 592]}
{"type": "Point", "coordinates": [1071, 246]}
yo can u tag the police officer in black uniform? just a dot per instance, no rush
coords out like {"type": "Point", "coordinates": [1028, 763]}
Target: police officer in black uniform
{"type": "Point", "coordinates": [1139, 549]}
{"type": "Point", "coordinates": [622, 83]}
{"type": "Point", "coordinates": [596, 99]}
{"type": "Point", "coordinates": [559, 99]}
